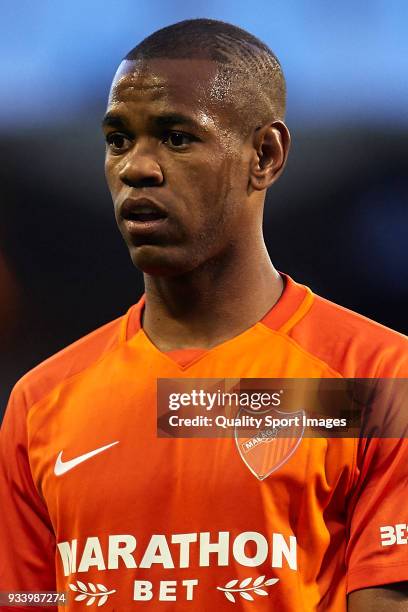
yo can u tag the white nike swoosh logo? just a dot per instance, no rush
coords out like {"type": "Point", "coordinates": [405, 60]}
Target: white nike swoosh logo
{"type": "Point", "coordinates": [64, 466]}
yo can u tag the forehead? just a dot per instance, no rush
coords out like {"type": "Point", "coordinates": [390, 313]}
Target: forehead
{"type": "Point", "coordinates": [188, 84]}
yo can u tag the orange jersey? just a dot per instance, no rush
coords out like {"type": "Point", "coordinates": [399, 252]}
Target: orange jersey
{"type": "Point", "coordinates": [95, 504]}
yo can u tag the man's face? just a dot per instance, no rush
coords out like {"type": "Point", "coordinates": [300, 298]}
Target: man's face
{"type": "Point", "coordinates": [177, 173]}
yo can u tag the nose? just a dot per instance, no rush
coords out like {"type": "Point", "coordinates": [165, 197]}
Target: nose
{"type": "Point", "coordinates": [141, 169]}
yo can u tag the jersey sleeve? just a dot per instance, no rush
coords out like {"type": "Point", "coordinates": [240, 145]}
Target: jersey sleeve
{"type": "Point", "coordinates": [27, 542]}
{"type": "Point", "coordinates": [377, 551]}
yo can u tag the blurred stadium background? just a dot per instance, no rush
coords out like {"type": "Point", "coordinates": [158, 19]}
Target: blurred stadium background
{"type": "Point", "coordinates": [337, 220]}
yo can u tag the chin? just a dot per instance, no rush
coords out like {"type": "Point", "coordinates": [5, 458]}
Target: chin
{"type": "Point", "coordinates": [157, 262]}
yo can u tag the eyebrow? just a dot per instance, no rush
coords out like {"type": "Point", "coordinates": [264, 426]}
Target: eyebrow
{"type": "Point", "coordinates": [115, 120]}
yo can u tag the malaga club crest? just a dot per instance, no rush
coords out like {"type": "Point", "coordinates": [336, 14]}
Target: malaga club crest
{"type": "Point", "coordinates": [264, 450]}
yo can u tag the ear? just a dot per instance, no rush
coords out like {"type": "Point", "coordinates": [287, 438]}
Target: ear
{"type": "Point", "coordinates": [270, 150]}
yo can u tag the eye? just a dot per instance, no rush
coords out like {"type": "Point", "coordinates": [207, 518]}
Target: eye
{"type": "Point", "coordinates": [117, 142]}
{"type": "Point", "coordinates": [177, 140]}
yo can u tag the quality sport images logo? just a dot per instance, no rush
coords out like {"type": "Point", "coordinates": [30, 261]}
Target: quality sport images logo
{"type": "Point", "coordinates": [202, 552]}
{"type": "Point", "coordinates": [250, 408]}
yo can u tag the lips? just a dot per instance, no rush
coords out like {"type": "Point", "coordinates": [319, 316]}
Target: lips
{"type": "Point", "coordinates": [143, 218]}
{"type": "Point", "coordinates": [142, 210]}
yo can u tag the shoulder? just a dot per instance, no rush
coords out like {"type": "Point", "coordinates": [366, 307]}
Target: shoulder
{"type": "Point", "coordinates": [72, 360]}
{"type": "Point", "coordinates": [351, 343]}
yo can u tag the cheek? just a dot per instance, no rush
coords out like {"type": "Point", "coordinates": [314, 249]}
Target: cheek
{"type": "Point", "coordinates": [228, 185]}
{"type": "Point", "coordinates": [111, 175]}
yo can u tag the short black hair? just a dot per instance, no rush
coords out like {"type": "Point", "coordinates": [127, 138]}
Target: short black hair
{"type": "Point", "coordinates": [250, 73]}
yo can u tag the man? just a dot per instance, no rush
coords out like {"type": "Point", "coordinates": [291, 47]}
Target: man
{"type": "Point", "coordinates": [94, 503]}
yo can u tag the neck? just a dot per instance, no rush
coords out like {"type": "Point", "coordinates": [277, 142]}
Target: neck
{"type": "Point", "coordinates": [210, 304]}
